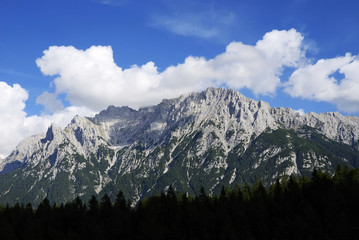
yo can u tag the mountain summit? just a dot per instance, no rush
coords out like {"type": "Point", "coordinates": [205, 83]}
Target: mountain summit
{"type": "Point", "coordinates": [212, 138]}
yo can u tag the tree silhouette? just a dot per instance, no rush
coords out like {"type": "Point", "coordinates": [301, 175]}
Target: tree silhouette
{"type": "Point", "coordinates": [320, 207]}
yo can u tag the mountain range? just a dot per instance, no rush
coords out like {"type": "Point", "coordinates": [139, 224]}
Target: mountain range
{"type": "Point", "coordinates": [213, 138]}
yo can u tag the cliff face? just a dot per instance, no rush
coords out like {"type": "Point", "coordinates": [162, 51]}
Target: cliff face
{"type": "Point", "coordinates": [212, 138]}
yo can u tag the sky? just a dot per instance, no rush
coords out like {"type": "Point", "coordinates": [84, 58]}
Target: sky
{"type": "Point", "coordinates": [61, 58]}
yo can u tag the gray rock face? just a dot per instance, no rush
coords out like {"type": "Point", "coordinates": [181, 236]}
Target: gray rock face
{"type": "Point", "coordinates": [212, 138]}
{"type": "Point", "coordinates": [333, 125]}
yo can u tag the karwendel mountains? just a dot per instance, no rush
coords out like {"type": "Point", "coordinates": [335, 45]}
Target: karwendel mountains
{"type": "Point", "coordinates": [212, 139]}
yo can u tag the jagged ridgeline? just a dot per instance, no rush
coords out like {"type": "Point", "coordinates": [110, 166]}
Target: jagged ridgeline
{"type": "Point", "coordinates": [212, 138]}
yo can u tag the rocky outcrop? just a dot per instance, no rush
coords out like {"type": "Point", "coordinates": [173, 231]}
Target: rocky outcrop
{"type": "Point", "coordinates": [212, 138]}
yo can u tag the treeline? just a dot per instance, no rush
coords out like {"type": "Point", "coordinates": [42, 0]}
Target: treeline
{"type": "Point", "coordinates": [320, 207]}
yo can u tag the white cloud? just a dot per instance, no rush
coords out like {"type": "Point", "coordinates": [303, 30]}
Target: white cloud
{"type": "Point", "coordinates": [300, 111]}
{"type": "Point", "coordinates": [12, 100]}
{"type": "Point", "coordinates": [15, 125]}
{"type": "Point", "coordinates": [61, 118]}
{"type": "Point", "coordinates": [50, 102]}
{"type": "Point", "coordinates": [91, 78]}
{"type": "Point", "coordinates": [318, 82]}
{"type": "Point", "coordinates": [283, 47]}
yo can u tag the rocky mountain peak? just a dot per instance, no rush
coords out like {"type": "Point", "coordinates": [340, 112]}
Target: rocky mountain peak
{"type": "Point", "coordinates": [211, 138]}
{"type": "Point", "coordinates": [113, 112]}
{"type": "Point", "coordinates": [51, 132]}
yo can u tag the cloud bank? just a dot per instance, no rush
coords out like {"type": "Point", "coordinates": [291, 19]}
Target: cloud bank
{"type": "Point", "coordinates": [90, 80]}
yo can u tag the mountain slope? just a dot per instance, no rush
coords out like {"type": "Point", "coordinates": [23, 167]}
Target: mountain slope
{"type": "Point", "coordinates": [212, 138]}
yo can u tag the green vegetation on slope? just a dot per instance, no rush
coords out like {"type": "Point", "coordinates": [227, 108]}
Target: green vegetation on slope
{"type": "Point", "coordinates": [185, 162]}
{"type": "Point", "coordinates": [320, 207]}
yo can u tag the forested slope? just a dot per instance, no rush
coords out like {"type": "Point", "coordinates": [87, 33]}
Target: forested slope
{"type": "Point", "coordinates": [320, 207]}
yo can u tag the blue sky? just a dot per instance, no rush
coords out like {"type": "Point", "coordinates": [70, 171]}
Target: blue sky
{"type": "Point", "coordinates": [61, 58]}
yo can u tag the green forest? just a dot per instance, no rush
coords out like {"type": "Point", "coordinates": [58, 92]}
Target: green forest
{"type": "Point", "coordinates": [319, 207]}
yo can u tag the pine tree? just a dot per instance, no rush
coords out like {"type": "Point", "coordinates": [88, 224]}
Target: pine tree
{"type": "Point", "coordinates": [171, 192]}
{"type": "Point", "coordinates": [120, 201]}
{"type": "Point", "coordinates": [93, 205]}
{"type": "Point", "coordinates": [106, 204]}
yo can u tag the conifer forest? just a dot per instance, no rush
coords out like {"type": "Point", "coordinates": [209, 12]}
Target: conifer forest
{"type": "Point", "coordinates": [319, 207]}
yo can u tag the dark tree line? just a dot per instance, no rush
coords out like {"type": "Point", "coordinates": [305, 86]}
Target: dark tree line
{"type": "Point", "coordinates": [320, 207]}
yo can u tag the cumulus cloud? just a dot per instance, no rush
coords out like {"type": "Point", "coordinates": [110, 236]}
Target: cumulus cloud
{"type": "Point", "coordinates": [283, 47]}
{"type": "Point", "coordinates": [319, 82]}
{"type": "Point", "coordinates": [92, 79]}
{"type": "Point", "coordinates": [12, 100]}
{"type": "Point", "coordinates": [50, 102]}
{"type": "Point", "coordinates": [15, 125]}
